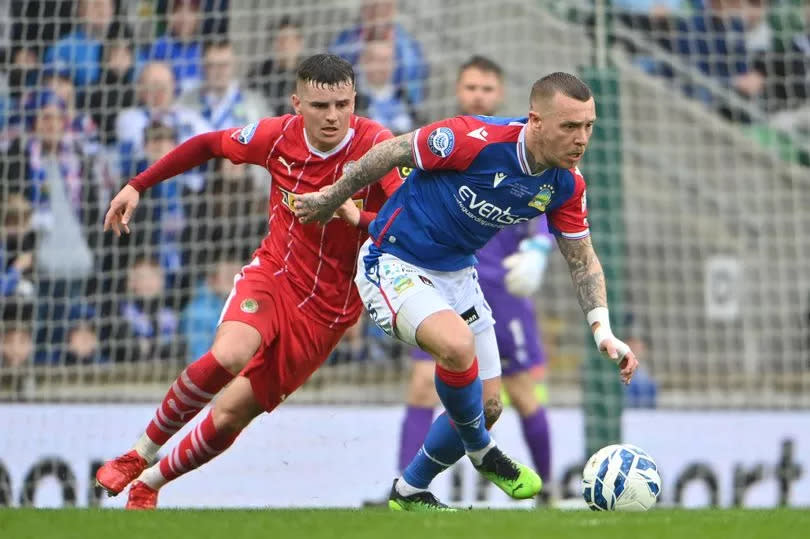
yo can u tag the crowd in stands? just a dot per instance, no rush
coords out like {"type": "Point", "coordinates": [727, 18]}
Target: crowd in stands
{"type": "Point", "coordinates": [93, 95]}
{"type": "Point", "coordinates": [758, 50]}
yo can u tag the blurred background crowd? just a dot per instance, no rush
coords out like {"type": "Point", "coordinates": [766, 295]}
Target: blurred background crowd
{"type": "Point", "coordinates": [93, 91]}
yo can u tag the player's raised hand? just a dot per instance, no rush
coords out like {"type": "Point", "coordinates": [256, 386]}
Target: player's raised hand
{"type": "Point", "coordinates": [314, 207]}
{"type": "Point", "coordinates": [620, 353]}
{"type": "Point", "coordinates": [121, 209]}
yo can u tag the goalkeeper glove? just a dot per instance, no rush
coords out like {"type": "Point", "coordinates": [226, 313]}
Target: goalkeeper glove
{"type": "Point", "coordinates": [527, 266]}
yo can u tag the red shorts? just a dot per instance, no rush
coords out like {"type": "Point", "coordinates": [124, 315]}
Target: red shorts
{"type": "Point", "coordinates": [293, 345]}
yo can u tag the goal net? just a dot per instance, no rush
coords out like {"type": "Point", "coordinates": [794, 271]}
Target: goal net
{"type": "Point", "coordinates": [711, 166]}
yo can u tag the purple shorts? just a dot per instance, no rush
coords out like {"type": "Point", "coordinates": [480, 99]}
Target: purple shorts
{"type": "Point", "coordinates": [515, 329]}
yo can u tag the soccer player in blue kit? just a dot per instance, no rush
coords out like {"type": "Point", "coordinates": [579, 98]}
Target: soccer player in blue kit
{"type": "Point", "coordinates": [510, 268]}
{"type": "Point", "coordinates": [473, 175]}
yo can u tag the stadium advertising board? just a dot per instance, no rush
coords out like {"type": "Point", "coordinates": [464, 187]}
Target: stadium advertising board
{"type": "Point", "coordinates": [332, 457]}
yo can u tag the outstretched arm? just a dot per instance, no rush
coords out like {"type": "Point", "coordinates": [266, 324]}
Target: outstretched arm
{"type": "Point", "coordinates": [320, 206]}
{"type": "Point", "coordinates": [589, 283]}
{"type": "Point", "coordinates": [192, 153]}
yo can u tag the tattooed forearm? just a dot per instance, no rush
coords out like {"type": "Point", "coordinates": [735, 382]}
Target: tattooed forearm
{"type": "Point", "coordinates": [383, 157]}
{"type": "Point", "coordinates": [586, 272]}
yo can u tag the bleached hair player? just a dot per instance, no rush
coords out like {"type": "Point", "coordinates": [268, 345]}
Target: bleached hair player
{"type": "Point", "coordinates": [416, 276]}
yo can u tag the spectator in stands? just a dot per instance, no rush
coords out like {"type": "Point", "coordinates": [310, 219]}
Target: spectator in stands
{"type": "Point", "coordinates": [61, 183]}
{"type": "Point", "coordinates": [59, 79]}
{"type": "Point", "coordinates": [115, 89]}
{"type": "Point", "coordinates": [377, 24]}
{"type": "Point", "coordinates": [221, 100]}
{"type": "Point", "coordinates": [780, 78]}
{"type": "Point", "coordinates": [378, 97]}
{"type": "Point", "coordinates": [58, 178]}
{"type": "Point", "coordinates": [644, 390]}
{"type": "Point", "coordinates": [149, 327]}
{"type": "Point", "coordinates": [275, 76]}
{"type": "Point", "coordinates": [83, 342]}
{"type": "Point", "coordinates": [714, 41]}
{"type": "Point", "coordinates": [17, 242]}
{"type": "Point", "coordinates": [155, 97]}
{"type": "Point", "coordinates": [181, 46]}
{"type": "Point", "coordinates": [38, 22]}
{"type": "Point", "coordinates": [21, 76]}
{"type": "Point", "coordinates": [16, 344]}
{"type": "Point", "coordinates": [81, 49]}
{"type": "Point", "coordinates": [201, 316]}
{"type": "Point", "coordinates": [16, 349]}
{"type": "Point", "coordinates": [653, 18]}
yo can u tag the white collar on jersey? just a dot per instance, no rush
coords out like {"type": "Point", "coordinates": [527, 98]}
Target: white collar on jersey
{"type": "Point", "coordinates": [521, 153]}
{"type": "Point", "coordinates": [323, 155]}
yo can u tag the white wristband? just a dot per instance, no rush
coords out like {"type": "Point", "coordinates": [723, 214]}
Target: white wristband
{"type": "Point", "coordinates": [603, 331]}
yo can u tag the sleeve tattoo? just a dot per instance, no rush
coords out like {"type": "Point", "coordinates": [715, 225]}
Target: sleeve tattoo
{"type": "Point", "coordinates": [395, 152]}
{"type": "Point", "coordinates": [586, 272]}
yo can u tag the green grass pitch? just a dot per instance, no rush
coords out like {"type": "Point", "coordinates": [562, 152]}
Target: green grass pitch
{"type": "Point", "coordinates": [381, 524]}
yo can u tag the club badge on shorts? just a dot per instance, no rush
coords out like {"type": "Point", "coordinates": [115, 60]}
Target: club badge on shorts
{"type": "Point", "coordinates": [249, 306]}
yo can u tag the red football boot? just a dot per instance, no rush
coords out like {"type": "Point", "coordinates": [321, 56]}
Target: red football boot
{"type": "Point", "coordinates": [142, 496]}
{"type": "Point", "coordinates": [116, 474]}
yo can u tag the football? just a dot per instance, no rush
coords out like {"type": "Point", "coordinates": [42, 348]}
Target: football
{"type": "Point", "coordinates": [621, 477]}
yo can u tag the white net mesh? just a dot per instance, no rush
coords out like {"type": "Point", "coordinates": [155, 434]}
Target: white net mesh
{"type": "Point", "coordinates": [713, 164]}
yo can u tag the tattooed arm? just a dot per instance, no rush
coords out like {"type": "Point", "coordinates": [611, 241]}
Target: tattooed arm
{"type": "Point", "coordinates": [395, 152]}
{"type": "Point", "coordinates": [589, 283]}
{"type": "Point", "coordinates": [586, 272]}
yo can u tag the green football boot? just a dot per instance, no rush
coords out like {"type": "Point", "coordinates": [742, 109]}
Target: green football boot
{"type": "Point", "coordinates": [515, 479]}
{"type": "Point", "coordinates": [423, 502]}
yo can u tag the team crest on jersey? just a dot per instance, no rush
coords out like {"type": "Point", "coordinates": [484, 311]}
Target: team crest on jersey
{"type": "Point", "coordinates": [404, 172]}
{"type": "Point", "coordinates": [244, 135]}
{"type": "Point", "coordinates": [584, 201]}
{"type": "Point", "coordinates": [543, 198]}
{"type": "Point", "coordinates": [249, 306]}
{"type": "Point", "coordinates": [441, 141]}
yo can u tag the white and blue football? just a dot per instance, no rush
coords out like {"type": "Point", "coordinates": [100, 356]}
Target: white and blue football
{"type": "Point", "coordinates": [621, 477]}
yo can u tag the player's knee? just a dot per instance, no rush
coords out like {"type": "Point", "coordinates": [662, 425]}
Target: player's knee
{"type": "Point", "coordinates": [229, 419]}
{"type": "Point", "coordinates": [234, 346]}
{"type": "Point", "coordinates": [457, 350]}
{"type": "Point", "coordinates": [492, 411]}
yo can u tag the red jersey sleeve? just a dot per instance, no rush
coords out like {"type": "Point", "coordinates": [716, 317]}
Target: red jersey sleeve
{"type": "Point", "coordinates": [251, 143]}
{"type": "Point", "coordinates": [570, 220]}
{"type": "Point", "coordinates": [445, 144]}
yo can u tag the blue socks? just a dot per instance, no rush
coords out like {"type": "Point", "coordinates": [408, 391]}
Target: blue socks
{"type": "Point", "coordinates": [442, 449]}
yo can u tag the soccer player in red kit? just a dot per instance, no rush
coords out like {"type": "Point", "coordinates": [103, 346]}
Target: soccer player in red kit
{"type": "Point", "coordinates": [291, 304]}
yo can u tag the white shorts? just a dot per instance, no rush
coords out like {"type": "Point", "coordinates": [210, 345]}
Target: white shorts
{"type": "Point", "coordinates": [399, 296]}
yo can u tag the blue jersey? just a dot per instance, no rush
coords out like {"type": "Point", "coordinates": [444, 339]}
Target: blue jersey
{"type": "Point", "coordinates": [473, 179]}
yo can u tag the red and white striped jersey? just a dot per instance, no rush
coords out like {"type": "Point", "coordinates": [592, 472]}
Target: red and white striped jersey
{"type": "Point", "coordinates": [319, 261]}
